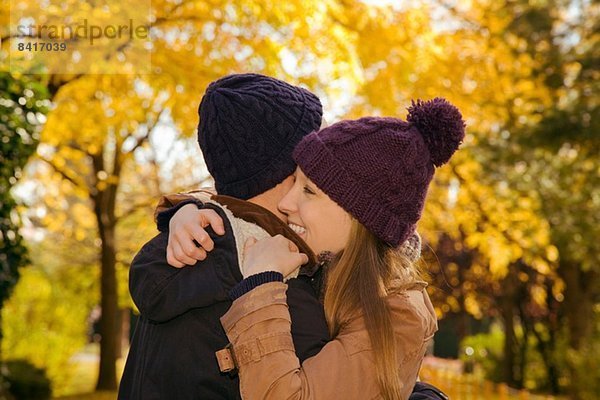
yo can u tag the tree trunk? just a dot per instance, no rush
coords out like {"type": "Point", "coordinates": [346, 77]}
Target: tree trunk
{"type": "Point", "coordinates": [550, 348]}
{"type": "Point", "coordinates": [509, 341]}
{"type": "Point", "coordinates": [103, 193]}
{"type": "Point", "coordinates": [546, 349]}
{"type": "Point", "coordinates": [107, 376]}
{"type": "Point", "coordinates": [520, 375]}
{"type": "Point", "coordinates": [3, 390]}
{"type": "Point", "coordinates": [578, 305]}
{"type": "Point", "coordinates": [507, 307]}
{"type": "Point", "coordinates": [578, 308]}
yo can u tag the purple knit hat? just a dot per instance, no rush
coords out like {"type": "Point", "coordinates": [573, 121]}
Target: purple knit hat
{"type": "Point", "coordinates": [379, 169]}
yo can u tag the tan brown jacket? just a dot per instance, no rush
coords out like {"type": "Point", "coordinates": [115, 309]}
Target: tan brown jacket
{"type": "Point", "coordinates": [258, 327]}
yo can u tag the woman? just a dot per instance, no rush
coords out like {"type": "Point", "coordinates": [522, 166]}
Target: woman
{"type": "Point", "coordinates": [359, 191]}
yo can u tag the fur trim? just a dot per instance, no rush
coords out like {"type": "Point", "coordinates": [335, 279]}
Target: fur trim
{"type": "Point", "coordinates": [242, 231]}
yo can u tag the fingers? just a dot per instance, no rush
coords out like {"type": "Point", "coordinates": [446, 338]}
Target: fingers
{"type": "Point", "coordinates": [210, 217]}
{"type": "Point", "coordinates": [198, 234]}
{"type": "Point", "coordinates": [180, 256]}
{"type": "Point", "coordinates": [271, 254]}
{"type": "Point", "coordinates": [190, 249]}
{"type": "Point", "coordinates": [296, 257]}
{"type": "Point", "coordinates": [292, 246]}
{"type": "Point", "coordinates": [171, 258]}
{"type": "Point", "coordinates": [183, 252]}
{"type": "Point", "coordinates": [296, 261]}
{"type": "Point", "coordinates": [303, 258]}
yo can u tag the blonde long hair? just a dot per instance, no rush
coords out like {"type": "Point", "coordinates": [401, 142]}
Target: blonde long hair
{"type": "Point", "coordinates": [359, 280]}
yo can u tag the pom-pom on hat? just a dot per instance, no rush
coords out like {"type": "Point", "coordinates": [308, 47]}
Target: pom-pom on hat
{"type": "Point", "coordinates": [249, 126]}
{"type": "Point", "coordinates": [379, 168]}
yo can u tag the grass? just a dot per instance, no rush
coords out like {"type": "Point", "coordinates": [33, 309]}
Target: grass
{"type": "Point", "coordinates": [458, 385]}
{"type": "Point", "coordinates": [454, 383]}
{"type": "Point", "coordinates": [85, 374]}
{"type": "Point", "coordinates": [90, 396]}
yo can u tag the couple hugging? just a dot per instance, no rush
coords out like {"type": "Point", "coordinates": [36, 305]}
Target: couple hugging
{"type": "Point", "coordinates": [297, 279]}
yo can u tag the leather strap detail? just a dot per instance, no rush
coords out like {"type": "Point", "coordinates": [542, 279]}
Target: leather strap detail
{"type": "Point", "coordinates": [226, 359]}
{"type": "Point", "coordinates": [232, 357]}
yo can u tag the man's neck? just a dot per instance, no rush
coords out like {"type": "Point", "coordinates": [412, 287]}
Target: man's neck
{"type": "Point", "coordinates": [270, 203]}
{"type": "Point", "coordinates": [271, 198]}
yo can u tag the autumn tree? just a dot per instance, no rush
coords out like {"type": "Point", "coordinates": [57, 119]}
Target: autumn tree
{"type": "Point", "coordinates": [523, 76]}
{"type": "Point", "coordinates": [556, 163]}
{"type": "Point", "coordinates": [51, 325]}
{"type": "Point", "coordinates": [23, 106]}
{"type": "Point", "coordinates": [98, 122]}
{"type": "Point", "coordinates": [88, 145]}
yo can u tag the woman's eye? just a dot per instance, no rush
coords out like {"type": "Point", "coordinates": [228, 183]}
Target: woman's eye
{"type": "Point", "coordinates": [308, 190]}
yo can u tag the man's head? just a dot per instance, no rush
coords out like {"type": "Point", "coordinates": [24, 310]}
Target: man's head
{"type": "Point", "coordinates": [249, 126]}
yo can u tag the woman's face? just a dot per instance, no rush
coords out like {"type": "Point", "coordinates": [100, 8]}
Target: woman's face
{"type": "Point", "coordinates": [317, 219]}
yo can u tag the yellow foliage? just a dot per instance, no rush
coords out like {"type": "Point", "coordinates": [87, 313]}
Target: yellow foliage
{"type": "Point", "coordinates": [472, 305]}
{"type": "Point", "coordinates": [40, 326]}
{"type": "Point", "coordinates": [361, 60]}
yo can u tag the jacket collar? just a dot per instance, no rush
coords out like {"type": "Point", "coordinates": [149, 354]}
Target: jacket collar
{"type": "Point", "coordinates": [264, 218]}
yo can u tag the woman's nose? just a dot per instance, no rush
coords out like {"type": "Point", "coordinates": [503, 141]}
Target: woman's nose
{"type": "Point", "coordinates": [287, 204]}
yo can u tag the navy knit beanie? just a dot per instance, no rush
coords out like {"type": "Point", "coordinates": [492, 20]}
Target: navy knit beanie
{"type": "Point", "coordinates": [379, 169]}
{"type": "Point", "coordinates": [249, 126]}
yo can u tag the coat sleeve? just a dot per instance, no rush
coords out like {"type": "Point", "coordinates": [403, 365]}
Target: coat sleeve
{"type": "Point", "coordinates": [171, 200]}
{"type": "Point", "coordinates": [162, 292]}
{"type": "Point", "coordinates": [258, 327]}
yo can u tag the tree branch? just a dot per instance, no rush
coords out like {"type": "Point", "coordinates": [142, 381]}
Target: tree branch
{"type": "Point", "coordinates": [134, 208]}
{"type": "Point", "coordinates": [456, 14]}
{"type": "Point", "coordinates": [64, 174]}
{"type": "Point", "coordinates": [141, 140]}
{"type": "Point", "coordinates": [484, 215]}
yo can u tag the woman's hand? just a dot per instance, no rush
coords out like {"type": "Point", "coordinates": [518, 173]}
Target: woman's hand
{"type": "Point", "coordinates": [272, 254]}
{"type": "Point", "coordinates": [187, 226]}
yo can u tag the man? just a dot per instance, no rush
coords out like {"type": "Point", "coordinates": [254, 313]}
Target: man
{"type": "Point", "coordinates": [249, 125]}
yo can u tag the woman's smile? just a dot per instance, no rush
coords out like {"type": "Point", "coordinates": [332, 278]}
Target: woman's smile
{"type": "Point", "coordinates": [300, 230]}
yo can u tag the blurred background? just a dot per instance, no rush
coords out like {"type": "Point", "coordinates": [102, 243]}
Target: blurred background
{"type": "Point", "coordinates": [511, 227]}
